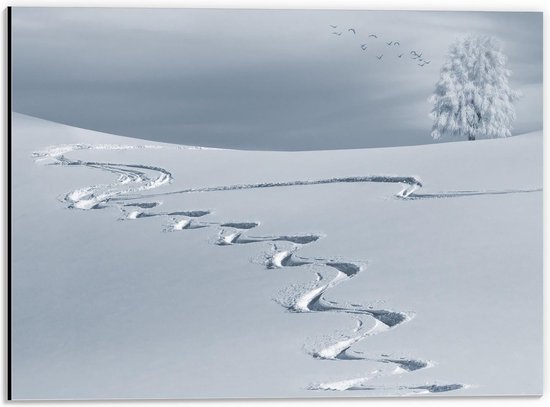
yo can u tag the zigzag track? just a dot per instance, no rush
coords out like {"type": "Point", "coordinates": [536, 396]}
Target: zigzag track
{"type": "Point", "coordinates": [134, 179]}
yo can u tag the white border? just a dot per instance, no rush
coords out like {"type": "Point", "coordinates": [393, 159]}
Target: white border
{"type": "Point", "coordinates": [481, 5]}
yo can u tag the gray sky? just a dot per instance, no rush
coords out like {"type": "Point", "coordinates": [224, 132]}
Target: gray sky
{"type": "Point", "coordinates": [254, 79]}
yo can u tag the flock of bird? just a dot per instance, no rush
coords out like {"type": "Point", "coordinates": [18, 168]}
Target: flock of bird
{"type": "Point", "coordinates": [413, 54]}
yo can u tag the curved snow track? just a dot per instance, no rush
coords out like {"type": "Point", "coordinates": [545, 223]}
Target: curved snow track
{"type": "Point", "coordinates": [133, 179]}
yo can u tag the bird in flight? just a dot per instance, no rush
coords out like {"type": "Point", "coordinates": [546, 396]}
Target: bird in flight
{"type": "Point", "coordinates": [363, 47]}
{"type": "Point", "coordinates": [335, 33]}
{"type": "Point", "coordinates": [352, 30]}
{"type": "Point", "coordinates": [399, 56]}
{"type": "Point", "coordinates": [396, 43]}
{"type": "Point", "coordinates": [333, 26]}
{"type": "Point", "coordinates": [373, 35]}
{"type": "Point", "coordinates": [427, 62]}
{"type": "Point", "coordinates": [422, 64]}
{"type": "Point", "coordinates": [389, 43]}
{"type": "Point", "coordinates": [379, 57]}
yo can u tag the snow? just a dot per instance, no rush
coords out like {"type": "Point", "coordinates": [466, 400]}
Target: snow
{"type": "Point", "coordinates": [182, 224]}
{"type": "Point", "coordinates": [415, 270]}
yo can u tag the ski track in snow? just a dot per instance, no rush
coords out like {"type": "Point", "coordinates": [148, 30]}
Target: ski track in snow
{"type": "Point", "coordinates": [133, 179]}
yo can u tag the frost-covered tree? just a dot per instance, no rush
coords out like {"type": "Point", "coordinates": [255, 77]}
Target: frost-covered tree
{"type": "Point", "coordinates": [473, 98]}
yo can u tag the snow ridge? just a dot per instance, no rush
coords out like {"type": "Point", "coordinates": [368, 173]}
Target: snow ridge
{"type": "Point", "coordinates": [411, 184]}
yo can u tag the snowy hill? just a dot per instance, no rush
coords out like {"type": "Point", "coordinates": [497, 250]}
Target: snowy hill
{"type": "Point", "coordinates": [148, 270]}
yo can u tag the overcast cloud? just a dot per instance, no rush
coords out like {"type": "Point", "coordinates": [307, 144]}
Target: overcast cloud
{"type": "Point", "coordinates": [254, 79]}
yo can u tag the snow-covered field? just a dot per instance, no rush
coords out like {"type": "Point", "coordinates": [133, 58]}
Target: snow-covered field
{"type": "Point", "coordinates": [148, 270]}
